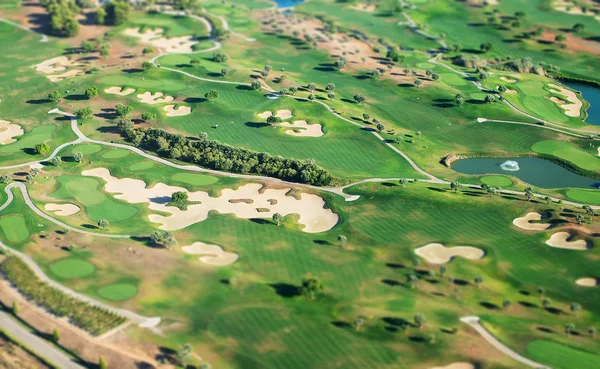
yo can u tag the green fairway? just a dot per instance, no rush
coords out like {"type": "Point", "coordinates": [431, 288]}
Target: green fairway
{"type": "Point", "coordinates": [14, 228]}
{"type": "Point", "coordinates": [72, 268]}
{"type": "Point", "coordinates": [116, 154]}
{"type": "Point", "coordinates": [118, 291]}
{"type": "Point", "coordinates": [497, 181]}
{"type": "Point", "coordinates": [194, 179]}
{"type": "Point", "coordinates": [568, 152]}
{"type": "Point", "coordinates": [142, 165]}
{"type": "Point", "coordinates": [591, 197]}
{"type": "Point", "coordinates": [122, 80]}
{"type": "Point", "coordinates": [561, 356]}
{"type": "Point", "coordinates": [87, 149]}
{"type": "Point", "coordinates": [29, 140]}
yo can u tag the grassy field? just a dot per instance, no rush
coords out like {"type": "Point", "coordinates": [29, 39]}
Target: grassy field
{"type": "Point", "coordinates": [568, 152]}
{"type": "Point", "coordinates": [72, 268]}
{"type": "Point", "coordinates": [497, 181]}
{"type": "Point", "coordinates": [562, 357]}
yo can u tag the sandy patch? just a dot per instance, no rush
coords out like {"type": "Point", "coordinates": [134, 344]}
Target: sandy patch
{"type": "Point", "coordinates": [215, 255]}
{"type": "Point", "coordinates": [154, 37]}
{"type": "Point", "coordinates": [283, 114]}
{"type": "Point", "coordinates": [598, 151]}
{"type": "Point", "coordinates": [9, 130]}
{"type": "Point", "coordinates": [559, 239]}
{"type": "Point", "coordinates": [571, 8]}
{"type": "Point", "coordinates": [587, 282]}
{"type": "Point", "coordinates": [303, 129]}
{"type": "Point", "coordinates": [525, 222]}
{"type": "Point", "coordinates": [436, 253]}
{"type": "Point", "coordinates": [510, 91]}
{"type": "Point", "coordinates": [54, 65]}
{"type": "Point", "coordinates": [369, 8]}
{"type": "Point", "coordinates": [460, 365]}
{"type": "Point", "coordinates": [63, 210]}
{"type": "Point", "coordinates": [309, 207]}
{"type": "Point", "coordinates": [119, 91]}
{"type": "Point", "coordinates": [152, 99]}
{"type": "Point", "coordinates": [67, 74]}
{"type": "Point", "coordinates": [265, 114]}
{"type": "Point", "coordinates": [574, 108]}
{"type": "Point", "coordinates": [181, 110]}
{"type": "Point", "coordinates": [509, 80]}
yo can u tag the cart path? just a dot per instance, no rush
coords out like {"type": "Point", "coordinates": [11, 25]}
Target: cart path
{"type": "Point", "coordinates": [44, 37]}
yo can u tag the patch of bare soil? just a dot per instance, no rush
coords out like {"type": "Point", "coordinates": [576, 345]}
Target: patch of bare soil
{"type": "Point", "coordinates": [574, 43]}
{"type": "Point", "coordinates": [14, 357]}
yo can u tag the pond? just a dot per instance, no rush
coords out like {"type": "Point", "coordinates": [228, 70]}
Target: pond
{"type": "Point", "coordinates": [288, 3]}
{"type": "Point", "coordinates": [537, 172]}
{"type": "Point", "coordinates": [592, 95]}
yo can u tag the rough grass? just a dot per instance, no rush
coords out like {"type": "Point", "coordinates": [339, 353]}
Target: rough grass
{"type": "Point", "coordinates": [561, 356]}
{"type": "Point", "coordinates": [118, 291]}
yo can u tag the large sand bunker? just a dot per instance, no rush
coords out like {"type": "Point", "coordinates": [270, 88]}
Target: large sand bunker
{"type": "Point", "coordinates": [152, 99]}
{"type": "Point", "coordinates": [54, 65]}
{"type": "Point", "coordinates": [181, 110]}
{"type": "Point", "coordinates": [9, 130]}
{"type": "Point", "coordinates": [436, 253]}
{"type": "Point", "coordinates": [559, 239]}
{"type": "Point", "coordinates": [573, 109]}
{"type": "Point", "coordinates": [570, 7]}
{"type": "Point", "coordinates": [301, 128]}
{"type": "Point", "coordinates": [309, 207]}
{"type": "Point", "coordinates": [525, 222]}
{"type": "Point", "coordinates": [67, 74]}
{"type": "Point", "coordinates": [460, 365]}
{"type": "Point", "coordinates": [119, 91]}
{"type": "Point", "coordinates": [154, 37]}
{"type": "Point", "coordinates": [283, 114]}
{"type": "Point", "coordinates": [214, 255]}
{"type": "Point", "coordinates": [587, 282]}
{"type": "Point", "coordinates": [63, 210]}
{"type": "Point", "coordinates": [509, 80]}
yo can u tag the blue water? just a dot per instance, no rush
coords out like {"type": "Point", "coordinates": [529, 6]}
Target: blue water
{"type": "Point", "coordinates": [592, 95]}
{"type": "Point", "coordinates": [537, 172]}
{"type": "Point", "coordinates": [288, 3]}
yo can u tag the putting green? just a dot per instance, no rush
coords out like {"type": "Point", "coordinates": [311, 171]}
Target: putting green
{"type": "Point", "coordinates": [477, 96]}
{"type": "Point", "coordinates": [497, 181]}
{"type": "Point", "coordinates": [532, 88]}
{"type": "Point", "coordinates": [116, 154]}
{"type": "Point", "coordinates": [561, 356]}
{"type": "Point", "coordinates": [86, 149]}
{"type": "Point", "coordinates": [29, 140]}
{"type": "Point", "coordinates": [118, 291]}
{"type": "Point", "coordinates": [72, 268]}
{"type": "Point", "coordinates": [195, 179]}
{"type": "Point", "coordinates": [141, 165]}
{"type": "Point", "coordinates": [14, 228]}
{"type": "Point", "coordinates": [590, 197]}
{"type": "Point", "coordinates": [126, 81]}
{"type": "Point", "coordinates": [568, 152]}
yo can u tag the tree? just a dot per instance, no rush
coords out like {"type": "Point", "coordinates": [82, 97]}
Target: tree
{"type": "Point", "coordinates": [15, 308]}
{"type": "Point", "coordinates": [460, 99]}
{"type": "Point", "coordinates": [117, 12]}
{"type": "Point", "coordinates": [224, 72]}
{"type": "Point", "coordinates": [148, 116]}
{"type": "Point", "coordinates": [104, 50]}
{"type": "Point", "coordinates": [330, 87]}
{"type": "Point", "coordinates": [569, 328]}
{"type": "Point", "coordinates": [489, 98]}
{"type": "Point", "coordinates": [87, 47]}
{"type": "Point", "coordinates": [529, 193]}
{"type": "Point", "coordinates": [419, 320]}
{"type": "Point", "coordinates": [78, 157]}
{"type": "Point", "coordinates": [183, 355]}
{"type": "Point", "coordinates": [412, 280]}
{"type": "Point", "coordinates": [592, 332]}
{"type": "Point", "coordinates": [293, 90]}
{"type": "Point", "coordinates": [123, 110]}
{"type": "Point", "coordinates": [359, 98]}
{"type": "Point", "coordinates": [55, 336]}
{"type": "Point", "coordinates": [343, 239]}
{"type": "Point", "coordinates": [443, 270]}
{"type": "Point", "coordinates": [575, 309]}
{"type": "Point", "coordinates": [273, 119]}
{"type": "Point", "coordinates": [149, 50]}
{"type": "Point", "coordinates": [546, 303]}
{"type": "Point", "coordinates": [502, 89]}
{"type": "Point", "coordinates": [83, 113]}
{"type": "Point", "coordinates": [102, 363]}
{"type": "Point", "coordinates": [578, 27]}
{"type": "Point", "coordinates": [366, 117]}
{"type": "Point", "coordinates": [311, 97]}
{"type": "Point", "coordinates": [100, 16]}
{"type": "Point", "coordinates": [359, 322]}
{"type": "Point", "coordinates": [311, 87]}
{"type": "Point", "coordinates": [560, 38]}
{"type": "Point", "coordinates": [455, 186]}
{"type": "Point", "coordinates": [219, 58]}
{"type": "Point", "coordinates": [506, 304]}
{"type": "Point", "coordinates": [380, 127]}
{"type": "Point", "coordinates": [56, 96]}
{"type": "Point", "coordinates": [256, 85]}
{"type": "Point", "coordinates": [103, 224]}
{"type": "Point", "coordinates": [483, 76]}
{"type": "Point", "coordinates": [212, 95]}
{"type": "Point", "coordinates": [42, 148]}
{"type": "Point", "coordinates": [541, 291]}
{"type": "Point", "coordinates": [91, 92]}
{"type": "Point", "coordinates": [418, 82]}
{"type": "Point", "coordinates": [277, 218]}
{"type": "Point", "coordinates": [478, 281]}
{"type": "Point", "coordinates": [331, 96]}
{"type": "Point", "coordinates": [56, 161]}
{"type": "Point", "coordinates": [5, 179]}
{"type": "Point", "coordinates": [311, 287]}
{"type": "Point", "coordinates": [486, 46]}
{"type": "Point", "coordinates": [435, 77]}
{"type": "Point", "coordinates": [428, 72]}
{"type": "Point", "coordinates": [402, 182]}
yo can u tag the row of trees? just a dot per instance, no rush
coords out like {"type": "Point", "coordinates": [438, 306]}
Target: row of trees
{"type": "Point", "coordinates": [63, 17]}
{"type": "Point", "coordinates": [114, 13]}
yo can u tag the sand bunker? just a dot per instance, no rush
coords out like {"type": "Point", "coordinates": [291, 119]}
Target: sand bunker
{"type": "Point", "coordinates": [9, 130]}
{"type": "Point", "coordinates": [509, 80]}
{"type": "Point", "coordinates": [119, 91]}
{"type": "Point", "coordinates": [587, 282]}
{"type": "Point", "coordinates": [215, 255]}
{"type": "Point", "coordinates": [181, 110]}
{"type": "Point", "coordinates": [154, 37]}
{"type": "Point", "coordinates": [559, 239]}
{"type": "Point", "coordinates": [67, 74]}
{"type": "Point", "coordinates": [369, 8]}
{"type": "Point", "coordinates": [436, 253]}
{"type": "Point", "coordinates": [63, 210]}
{"type": "Point", "coordinates": [574, 108]}
{"type": "Point", "coordinates": [54, 65]}
{"type": "Point", "coordinates": [283, 114]}
{"type": "Point", "coordinates": [461, 365]}
{"type": "Point", "coordinates": [301, 128]}
{"type": "Point", "coordinates": [525, 222]}
{"type": "Point", "coordinates": [309, 207]}
{"type": "Point", "coordinates": [570, 7]}
{"type": "Point", "coordinates": [152, 99]}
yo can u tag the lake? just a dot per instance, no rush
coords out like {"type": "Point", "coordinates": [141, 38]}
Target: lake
{"type": "Point", "coordinates": [592, 95]}
{"type": "Point", "coordinates": [288, 3]}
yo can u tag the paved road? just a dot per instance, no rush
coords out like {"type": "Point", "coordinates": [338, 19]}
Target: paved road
{"type": "Point", "coordinates": [473, 321]}
{"type": "Point", "coordinates": [38, 345]}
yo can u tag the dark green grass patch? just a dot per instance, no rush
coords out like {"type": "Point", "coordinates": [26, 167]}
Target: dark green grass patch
{"type": "Point", "coordinates": [561, 356]}
{"type": "Point", "coordinates": [72, 268]}
{"type": "Point", "coordinates": [118, 291]}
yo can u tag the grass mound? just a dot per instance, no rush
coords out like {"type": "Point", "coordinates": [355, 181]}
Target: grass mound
{"type": "Point", "coordinates": [195, 179]}
{"type": "Point", "coordinates": [497, 181]}
{"type": "Point", "coordinates": [14, 228]}
{"type": "Point", "coordinates": [560, 356]}
{"type": "Point", "coordinates": [568, 152]}
{"type": "Point", "coordinates": [141, 165]}
{"type": "Point", "coordinates": [72, 268]}
{"type": "Point", "coordinates": [116, 154]}
{"type": "Point", "coordinates": [118, 291]}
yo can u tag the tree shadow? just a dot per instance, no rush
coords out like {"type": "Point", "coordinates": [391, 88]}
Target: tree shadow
{"type": "Point", "coordinates": [322, 242]}
{"type": "Point", "coordinates": [341, 324]}
{"type": "Point", "coordinates": [528, 304]}
{"type": "Point", "coordinates": [195, 100]}
{"type": "Point", "coordinates": [243, 88]}
{"type": "Point", "coordinates": [394, 266]}
{"type": "Point", "coordinates": [132, 70]}
{"type": "Point", "coordinates": [76, 97]}
{"type": "Point", "coordinates": [489, 305]}
{"type": "Point", "coordinates": [256, 124]}
{"type": "Point", "coordinates": [285, 290]}
{"type": "Point", "coordinates": [391, 282]}
{"type": "Point", "coordinates": [38, 101]}
{"type": "Point", "coordinates": [348, 101]}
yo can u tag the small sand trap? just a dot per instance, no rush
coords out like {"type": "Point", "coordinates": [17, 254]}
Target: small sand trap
{"type": "Point", "coordinates": [215, 255]}
{"type": "Point", "coordinates": [574, 108]}
{"type": "Point", "coordinates": [525, 222]}
{"type": "Point", "coordinates": [63, 210]}
{"type": "Point", "coordinates": [509, 80]}
{"type": "Point", "coordinates": [283, 114]}
{"type": "Point", "coordinates": [587, 282]}
{"type": "Point", "coordinates": [309, 207]}
{"type": "Point", "coordinates": [508, 91]}
{"type": "Point", "coordinates": [460, 365]}
{"type": "Point", "coordinates": [154, 37]}
{"type": "Point", "coordinates": [54, 65]}
{"type": "Point", "coordinates": [436, 253]}
{"type": "Point", "coordinates": [152, 99]}
{"type": "Point", "coordinates": [67, 74]}
{"type": "Point", "coordinates": [570, 7]}
{"type": "Point", "coordinates": [559, 239]}
{"type": "Point", "coordinates": [301, 128]}
{"type": "Point", "coordinates": [369, 8]}
{"type": "Point", "coordinates": [181, 110]}
{"type": "Point", "coordinates": [9, 130]}
{"type": "Point", "coordinates": [119, 91]}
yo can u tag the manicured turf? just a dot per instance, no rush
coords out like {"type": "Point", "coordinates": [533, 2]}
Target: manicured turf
{"type": "Point", "coordinates": [118, 291]}
{"type": "Point", "coordinates": [562, 357]}
{"type": "Point", "coordinates": [497, 181]}
{"type": "Point", "coordinates": [29, 140]}
{"type": "Point", "coordinates": [123, 80]}
{"type": "Point", "coordinates": [14, 228]}
{"type": "Point", "coordinates": [72, 268]}
{"type": "Point", "coordinates": [590, 197]}
{"type": "Point", "coordinates": [87, 149]}
{"type": "Point", "coordinates": [568, 152]}
{"type": "Point", "coordinates": [195, 179]}
{"type": "Point", "coordinates": [116, 154]}
{"type": "Point", "coordinates": [142, 165]}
